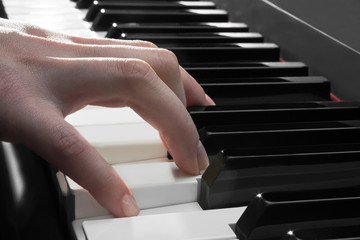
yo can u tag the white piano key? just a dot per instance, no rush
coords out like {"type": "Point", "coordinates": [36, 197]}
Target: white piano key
{"type": "Point", "coordinates": [211, 224]}
{"type": "Point", "coordinates": [187, 207]}
{"type": "Point", "coordinates": [152, 184]}
{"type": "Point", "coordinates": [61, 16]}
{"type": "Point", "coordinates": [128, 143]}
{"type": "Point", "coordinates": [124, 142]}
{"type": "Point", "coordinates": [78, 229]}
{"type": "Point", "coordinates": [103, 116]}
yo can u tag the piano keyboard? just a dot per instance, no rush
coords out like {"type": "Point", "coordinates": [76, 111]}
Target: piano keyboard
{"type": "Point", "coordinates": [274, 129]}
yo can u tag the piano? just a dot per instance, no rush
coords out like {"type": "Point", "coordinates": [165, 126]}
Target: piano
{"type": "Point", "coordinates": [284, 150]}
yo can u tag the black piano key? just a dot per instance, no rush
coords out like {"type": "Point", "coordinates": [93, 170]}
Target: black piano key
{"type": "Point", "coordinates": [350, 231]}
{"type": "Point", "coordinates": [207, 74]}
{"type": "Point", "coordinates": [217, 138]}
{"type": "Point", "coordinates": [195, 39]}
{"type": "Point", "coordinates": [254, 80]}
{"type": "Point", "coordinates": [237, 64]}
{"type": "Point", "coordinates": [290, 113]}
{"type": "Point", "coordinates": [119, 30]}
{"type": "Point", "coordinates": [308, 89]}
{"type": "Point", "coordinates": [277, 105]}
{"type": "Point", "coordinates": [95, 8]}
{"type": "Point", "coordinates": [106, 18]}
{"type": "Point", "coordinates": [227, 53]}
{"type": "Point", "coordinates": [271, 80]}
{"type": "Point", "coordinates": [273, 215]}
{"type": "Point", "coordinates": [236, 176]}
{"type": "Point", "coordinates": [82, 4]}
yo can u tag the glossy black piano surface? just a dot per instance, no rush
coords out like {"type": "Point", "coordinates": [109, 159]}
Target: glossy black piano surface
{"type": "Point", "coordinates": [30, 204]}
{"type": "Point", "coordinates": [323, 33]}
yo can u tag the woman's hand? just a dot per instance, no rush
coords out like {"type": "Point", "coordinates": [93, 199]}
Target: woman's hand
{"type": "Point", "coordinates": [44, 76]}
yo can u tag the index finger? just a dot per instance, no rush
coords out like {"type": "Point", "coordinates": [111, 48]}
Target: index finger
{"type": "Point", "coordinates": [45, 131]}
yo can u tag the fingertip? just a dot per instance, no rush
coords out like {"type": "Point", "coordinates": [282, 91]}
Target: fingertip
{"type": "Point", "coordinates": [200, 161]}
{"type": "Point", "coordinates": [209, 101]}
{"type": "Point", "coordinates": [129, 206]}
{"type": "Point", "coordinates": [195, 94]}
{"type": "Point", "coordinates": [116, 197]}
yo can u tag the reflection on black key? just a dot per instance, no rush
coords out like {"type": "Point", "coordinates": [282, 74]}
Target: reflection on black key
{"type": "Point", "coordinates": [121, 30]}
{"type": "Point", "coordinates": [195, 39]}
{"type": "Point", "coordinates": [106, 18]}
{"type": "Point", "coordinates": [217, 138]}
{"type": "Point", "coordinates": [310, 89]}
{"type": "Point", "coordinates": [31, 197]}
{"type": "Point", "coordinates": [205, 74]}
{"type": "Point", "coordinates": [273, 215]}
{"type": "Point", "coordinates": [146, 5]}
{"type": "Point", "coordinates": [350, 231]}
{"type": "Point", "coordinates": [236, 176]}
{"type": "Point", "coordinates": [227, 53]}
{"type": "Point", "coordinates": [217, 115]}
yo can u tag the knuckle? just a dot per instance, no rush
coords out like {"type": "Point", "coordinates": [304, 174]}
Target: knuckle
{"type": "Point", "coordinates": [20, 47]}
{"type": "Point", "coordinates": [68, 143]}
{"type": "Point", "coordinates": [167, 57]}
{"type": "Point", "coordinates": [32, 30]}
{"type": "Point", "coordinates": [138, 77]}
{"type": "Point", "coordinates": [142, 43]}
{"type": "Point", "coordinates": [169, 66]}
{"type": "Point", "coordinates": [134, 68]}
{"type": "Point", "coordinates": [149, 44]}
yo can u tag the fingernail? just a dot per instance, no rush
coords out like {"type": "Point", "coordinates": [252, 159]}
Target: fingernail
{"type": "Point", "coordinates": [129, 206]}
{"type": "Point", "coordinates": [202, 157]}
{"type": "Point", "coordinates": [209, 100]}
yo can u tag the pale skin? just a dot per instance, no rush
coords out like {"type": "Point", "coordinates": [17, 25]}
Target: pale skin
{"type": "Point", "coordinates": [45, 76]}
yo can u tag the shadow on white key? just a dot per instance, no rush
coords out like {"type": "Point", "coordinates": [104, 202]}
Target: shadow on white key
{"type": "Point", "coordinates": [211, 224]}
{"type": "Point", "coordinates": [152, 184]}
{"type": "Point", "coordinates": [119, 135]}
{"type": "Point", "coordinates": [124, 142]}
